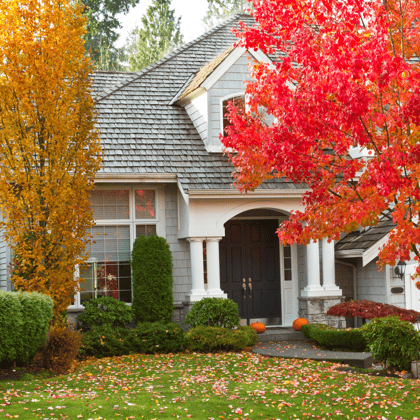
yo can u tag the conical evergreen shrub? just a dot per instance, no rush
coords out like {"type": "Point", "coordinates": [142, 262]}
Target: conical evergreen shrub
{"type": "Point", "coordinates": [151, 263]}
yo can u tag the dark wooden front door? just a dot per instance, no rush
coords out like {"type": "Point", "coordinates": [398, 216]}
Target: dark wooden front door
{"type": "Point", "coordinates": [250, 250]}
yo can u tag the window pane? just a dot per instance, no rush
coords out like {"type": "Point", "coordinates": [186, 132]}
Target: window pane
{"type": "Point", "coordinates": [110, 204]}
{"type": "Point", "coordinates": [145, 204]}
{"type": "Point", "coordinates": [113, 272]}
{"type": "Point", "coordinates": [287, 254]}
{"type": "Point", "coordinates": [145, 230]}
{"type": "Point", "coordinates": [238, 101]}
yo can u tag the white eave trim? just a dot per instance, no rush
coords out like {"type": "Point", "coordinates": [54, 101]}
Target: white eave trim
{"type": "Point", "coordinates": [183, 193]}
{"type": "Point", "coordinates": [349, 253]}
{"type": "Point", "coordinates": [275, 193]}
{"type": "Point", "coordinates": [191, 96]}
{"type": "Point", "coordinates": [135, 177]}
{"type": "Point", "coordinates": [371, 253]}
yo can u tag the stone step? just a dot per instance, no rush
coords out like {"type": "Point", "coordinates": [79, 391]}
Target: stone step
{"type": "Point", "coordinates": [280, 334]}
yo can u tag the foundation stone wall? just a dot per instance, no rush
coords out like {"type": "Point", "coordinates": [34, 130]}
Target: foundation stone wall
{"type": "Point", "coordinates": [314, 309]}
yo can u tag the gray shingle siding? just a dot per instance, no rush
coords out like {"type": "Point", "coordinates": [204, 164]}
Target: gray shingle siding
{"type": "Point", "coordinates": [397, 299]}
{"type": "Point", "coordinates": [371, 283]}
{"type": "Point", "coordinates": [344, 279]}
{"type": "Point", "coordinates": [231, 82]}
{"type": "Point", "coordinates": [4, 270]}
{"type": "Point", "coordinates": [180, 249]}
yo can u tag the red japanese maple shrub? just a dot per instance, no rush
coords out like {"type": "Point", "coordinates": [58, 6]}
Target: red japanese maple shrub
{"type": "Point", "coordinates": [368, 309]}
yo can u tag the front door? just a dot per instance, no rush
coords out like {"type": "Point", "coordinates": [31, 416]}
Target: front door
{"type": "Point", "coordinates": [250, 252]}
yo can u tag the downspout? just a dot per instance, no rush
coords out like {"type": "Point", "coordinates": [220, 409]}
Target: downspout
{"type": "Point", "coordinates": [354, 283]}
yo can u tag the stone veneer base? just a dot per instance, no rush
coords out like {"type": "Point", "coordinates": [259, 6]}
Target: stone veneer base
{"type": "Point", "coordinates": [314, 309]}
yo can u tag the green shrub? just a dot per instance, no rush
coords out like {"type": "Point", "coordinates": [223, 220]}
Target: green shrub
{"type": "Point", "coordinates": [24, 319]}
{"type": "Point", "coordinates": [151, 263]}
{"type": "Point", "coordinates": [105, 341]}
{"type": "Point", "coordinates": [60, 350]}
{"type": "Point", "coordinates": [307, 328]}
{"type": "Point", "coordinates": [251, 334]}
{"type": "Point", "coordinates": [210, 339]}
{"type": "Point", "coordinates": [350, 339]}
{"type": "Point", "coordinates": [157, 337]}
{"type": "Point", "coordinates": [104, 311]}
{"type": "Point", "coordinates": [149, 338]}
{"type": "Point", "coordinates": [213, 312]}
{"type": "Point", "coordinates": [392, 341]}
{"type": "Point", "coordinates": [333, 338]}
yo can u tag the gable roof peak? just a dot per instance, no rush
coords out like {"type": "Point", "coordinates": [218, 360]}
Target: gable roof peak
{"type": "Point", "coordinates": [230, 21]}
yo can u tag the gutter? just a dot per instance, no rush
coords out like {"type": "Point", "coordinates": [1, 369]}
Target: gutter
{"type": "Point", "coordinates": [264, 193]}
{"type": "Point", "coordinates": [135, 177]}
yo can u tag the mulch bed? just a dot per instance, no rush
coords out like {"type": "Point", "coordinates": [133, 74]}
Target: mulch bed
{"type": "Point", "coordinates": [16, 373]}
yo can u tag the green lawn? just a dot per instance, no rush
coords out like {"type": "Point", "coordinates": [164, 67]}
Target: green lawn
{"type": "Point", "coordinates": [213, 386]}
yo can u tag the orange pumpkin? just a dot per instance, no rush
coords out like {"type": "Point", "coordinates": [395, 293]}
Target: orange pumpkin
{"type": "Point", "coordinates": [297, 323]}
{"type": "Point", "coordinates": [259, 327]}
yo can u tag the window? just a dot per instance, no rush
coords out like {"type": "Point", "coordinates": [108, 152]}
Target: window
{"type": "Point", "coordinates": [238, 101]}
{"type": "Point", "coordinates": [287, 256]}
{"type": "Point", "coordinates": [108, 273]}
{"type": "Point", "coordinates": [110, 204]}
{"type": "Point", "coordinates": [121, 216]}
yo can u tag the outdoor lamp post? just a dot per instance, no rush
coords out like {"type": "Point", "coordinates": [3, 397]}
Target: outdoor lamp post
{"type": "Point", "coordinates": [400, 269]}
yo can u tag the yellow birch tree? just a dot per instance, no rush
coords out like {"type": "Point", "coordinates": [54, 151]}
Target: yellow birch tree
{"type": "Point", "coordinates": [49, 147]}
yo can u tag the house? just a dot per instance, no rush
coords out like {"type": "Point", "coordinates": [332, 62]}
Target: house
{"type": "Point", "coordinates": [164, 173]}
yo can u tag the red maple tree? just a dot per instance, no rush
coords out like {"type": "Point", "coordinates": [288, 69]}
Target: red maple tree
{"type": "Point", "coordinates": [344, 94]}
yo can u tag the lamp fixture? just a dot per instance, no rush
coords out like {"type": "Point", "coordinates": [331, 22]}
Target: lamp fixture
{"type": "Point", "coordinates": [400, 269]}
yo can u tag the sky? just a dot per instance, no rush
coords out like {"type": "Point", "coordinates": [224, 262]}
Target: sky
{"type": "Point", "coordinates": [191, 11]}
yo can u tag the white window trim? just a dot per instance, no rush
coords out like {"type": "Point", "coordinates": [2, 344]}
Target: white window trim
{"type": "Point", "coordinates": [159, 221]}
{"type": "Point", "coordinates": [219, 148]}
{"type": "Point", "coordinates": [227, 97]}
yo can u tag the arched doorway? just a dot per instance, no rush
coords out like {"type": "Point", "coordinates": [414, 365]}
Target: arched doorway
{"type": "Point", "coordinates": [255, 270]}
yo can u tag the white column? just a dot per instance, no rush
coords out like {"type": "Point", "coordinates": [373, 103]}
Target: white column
{"type": "Point", "coordinates": [328, 269]}
{"type": "Point", "coordinates": [213, 268]}
{"type": "Point", "coordinates": [197, 270]}
{"type": "Point", "coordinates": [314, 287]}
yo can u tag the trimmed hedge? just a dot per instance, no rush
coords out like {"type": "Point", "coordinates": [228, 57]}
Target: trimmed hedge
{"type": "Point", "coordinates": [213, 312]}
{"type": "Point", "coordinates": [24, 319]}
{"type": "Point", "coordinates": [307, 328]}
{"type": "Point", "coordinates": [351, 339]}
{"type": "Point", "coordinates": [151, 263]}
{"type": "Point", "coordinates": [156, 337]}
{"type": "Point", "coordinates": [250, 333]}
{"type": "Point", "coordinates": [104, 311]}
{"type": "Point", "coordinates": [149, 338]}
{"type": "Point", "coordinates": [105, 341]}
{"type": "Point", "coordinates": [209, 339]}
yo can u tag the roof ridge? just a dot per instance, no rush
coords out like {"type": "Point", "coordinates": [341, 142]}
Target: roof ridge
{"type": "Point", "coordinates": [113, 72]}
{"type": "Point", "coordinates": [169, 56]}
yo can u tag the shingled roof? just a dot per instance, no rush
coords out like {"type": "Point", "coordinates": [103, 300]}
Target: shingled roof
{"type": "Point", "coordinates": [364, 240]}
{"type": "Point", "coordinates": [143, 133]}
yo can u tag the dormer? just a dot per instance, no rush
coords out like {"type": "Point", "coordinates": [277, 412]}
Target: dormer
{"type": "Point", "coordinates": [206, 94]}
